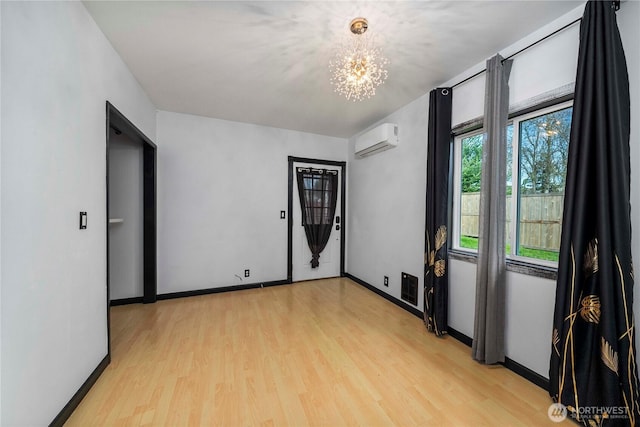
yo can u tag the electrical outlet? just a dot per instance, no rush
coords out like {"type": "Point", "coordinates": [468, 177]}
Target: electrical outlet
{"type": "Point", "coordinates": [386, 280]}
{"type": "Point", "coordinates": [246, 273]}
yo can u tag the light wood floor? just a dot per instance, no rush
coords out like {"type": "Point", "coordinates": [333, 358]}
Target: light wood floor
{"type": "Point", "coordinates": [327, 352]}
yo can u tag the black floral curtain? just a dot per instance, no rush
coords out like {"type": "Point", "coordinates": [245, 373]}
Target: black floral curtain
{"type": "Point", "coordinates": [318, 191]}
{"type": "Point", "coordinates": [436, 277]}
{"type": "Point", "coordinates": [593, 360]}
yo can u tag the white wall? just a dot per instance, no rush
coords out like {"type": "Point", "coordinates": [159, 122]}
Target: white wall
{"type": "Point", "coordinates": [386, 206]}
{"type": "Point", "coordinates": [58, 70]}
{"type": "Point", "coordinates": [462, 295]}
{"type": "Point", "coordinates": [219, 182]}
{"type": "Point", "coordinates": [541, 69]}
{"type": "Point", "coordinates": [221, 187]}
{"type": "Point", "coordinates": [544, 68]}
{"type": "Point", "coordinates": [628, 19]}
{"type": "Point", "coordinates": [386, 202]}
{"type": "Point", "coordinates": [0, 215]}
{"type": "Point", "coordinates": [126, 249]}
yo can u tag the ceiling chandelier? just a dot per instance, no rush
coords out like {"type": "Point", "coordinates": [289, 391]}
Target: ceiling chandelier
{"type": "Point", "coordinates": [358, 65]}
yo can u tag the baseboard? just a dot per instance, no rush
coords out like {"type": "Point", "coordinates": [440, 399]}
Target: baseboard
{"type": "Point", "coordinates": [125, 301]}
{"type": "Point", "coordinates": [527, 373]}
{"type": "Point", "coordinates": [460, 336]}
{"type": "Point", "coordinates": [68, 409]}
{"type": "Point", "coordinates": [510, 364]}
{"type": "Point", "coordinates": [207, 291]}
{"type": "Point", "coordinates": [276, 283]}
{"type": "Point", "coordinates": [386, 296]}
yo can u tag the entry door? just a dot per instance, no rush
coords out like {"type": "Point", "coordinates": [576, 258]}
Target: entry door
{"type": "Point", "coordinates": [330, 256]}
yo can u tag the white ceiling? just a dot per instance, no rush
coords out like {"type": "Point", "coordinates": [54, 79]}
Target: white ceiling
{"type": "Point", "coordinates": [266, 62]}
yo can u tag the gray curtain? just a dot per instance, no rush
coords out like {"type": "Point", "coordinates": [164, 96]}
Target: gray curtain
{"type": "Point", "coordinates": [488, 329]}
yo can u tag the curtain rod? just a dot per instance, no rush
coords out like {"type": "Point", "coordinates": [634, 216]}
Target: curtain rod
{"type": "Point", "coordinates": [520, 51]}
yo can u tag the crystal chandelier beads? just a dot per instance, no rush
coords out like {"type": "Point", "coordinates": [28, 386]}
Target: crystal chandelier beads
{"type": "Point", "coordinates": [358, 66]}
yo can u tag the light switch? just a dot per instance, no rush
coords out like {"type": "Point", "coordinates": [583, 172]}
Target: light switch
{"type": "Point", "coordinates": [83, 220]}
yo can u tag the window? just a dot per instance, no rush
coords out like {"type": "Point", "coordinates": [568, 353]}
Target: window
{"type": "Point", "coordinates": [537, 148]}
{"type": "Point", "coordinates": [470, 149]}
{"type": "Point", "coordinates": [317, 195]}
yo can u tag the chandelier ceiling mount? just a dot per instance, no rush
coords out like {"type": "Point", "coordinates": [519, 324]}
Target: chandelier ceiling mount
{"type": "Point", "coordinates": [359, 25]}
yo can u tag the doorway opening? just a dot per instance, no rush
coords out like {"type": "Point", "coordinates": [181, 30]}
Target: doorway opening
{"type": "Point", "coordinates": [136, 169]}
{"type": "Point", "coordinates": [298, 253]}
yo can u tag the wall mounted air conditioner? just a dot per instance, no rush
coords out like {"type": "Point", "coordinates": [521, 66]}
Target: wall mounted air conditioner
{"type": "Point", "coordinates": [380, 138]}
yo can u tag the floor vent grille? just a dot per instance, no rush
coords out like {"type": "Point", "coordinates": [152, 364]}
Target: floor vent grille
{"type": "Point", "coordinates": [409, 289]}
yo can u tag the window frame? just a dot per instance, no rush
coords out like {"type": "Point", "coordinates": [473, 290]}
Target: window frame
{"type": "Point", "coordinates": [457, 188]}
{"type": "Point", "coordinates": [514, 120]}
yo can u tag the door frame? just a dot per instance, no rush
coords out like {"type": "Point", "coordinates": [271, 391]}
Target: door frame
{"type": "Point", "coordinates": [343, 187]}
{"type": "Point", "coordinates": [116, 120]}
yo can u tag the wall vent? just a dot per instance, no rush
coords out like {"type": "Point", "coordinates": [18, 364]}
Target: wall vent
{"type": "Point", "coordinates": [409, 289]}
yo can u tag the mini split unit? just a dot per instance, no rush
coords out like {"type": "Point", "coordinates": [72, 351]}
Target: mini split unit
{"type": "Point", "coordinates": [376, 140]}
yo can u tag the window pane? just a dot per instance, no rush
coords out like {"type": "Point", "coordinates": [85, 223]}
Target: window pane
{"type": "Point", "coordinates": [471, 169]}
{"type": "Point", "coordinates": [317, 182]}
{"type": "Point", "coordinates": [544, 144]}
{"type": "Point", "coordinates": [470, 188]}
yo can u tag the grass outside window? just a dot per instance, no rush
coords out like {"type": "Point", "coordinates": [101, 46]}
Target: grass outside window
{"type": "Point", "coordinates": [469, 242]}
